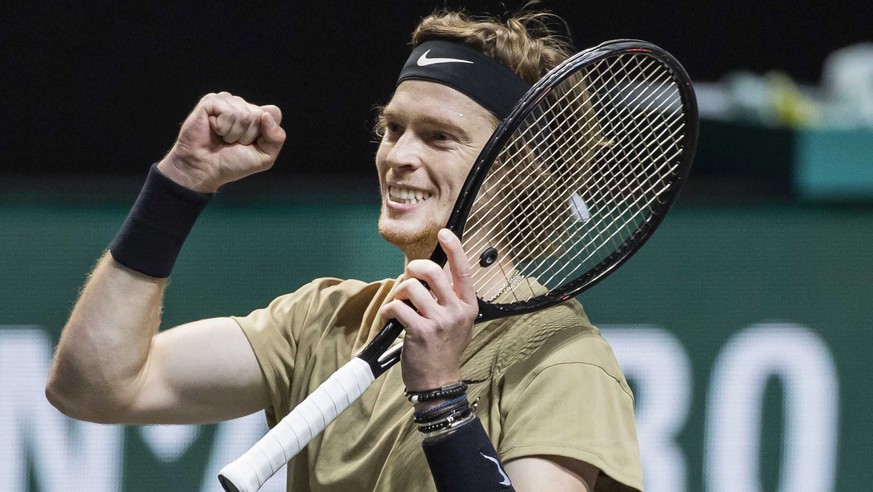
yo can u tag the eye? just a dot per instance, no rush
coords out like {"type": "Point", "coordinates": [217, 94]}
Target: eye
{"type": "Point", "coordinates": [441, 138]}
{"type": "Point", "coordinates": [392, 130]}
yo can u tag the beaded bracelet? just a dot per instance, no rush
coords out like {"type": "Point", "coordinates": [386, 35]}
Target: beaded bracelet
{"type": "Point", "coordinates": [448, 391]}
{"type": "Point", "coordinates": [447, 422]}
{"type": "Point", "coordinates": [452, 427]}
{"type": "Point", "coordinates": [450, 422]}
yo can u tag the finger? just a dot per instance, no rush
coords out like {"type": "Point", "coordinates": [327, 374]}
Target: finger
{"type": "Point", "coordinates": [462, 277]}
{"type": "Point", "coordinates": [434, 277]}
{"type": "Point", "coordinates": [243, 124]}
{"type": "Point", "coordinates": [222, 123]}
{"type": "Point", "coordinates": [214, 105]}
{"type": "Point", "coordinates": [402, 312]}
{"type": "Point", "coordinates": [213, 124]}
{"type": "Point", "coordinates": [251, 132]}
{"type": "Point", "coordinates": [246, 127]}
{"type": "Point", "coordinates": [418, 295]}
{"type": "Point", "coordinates": [232, 118]}
{"type": "Point", "coordinates": [246, 120]}
{"type": "Point", "coordinates": [211, 102]}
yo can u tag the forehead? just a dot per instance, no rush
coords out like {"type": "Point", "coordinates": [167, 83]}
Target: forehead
{"type": "Point", "coordinates": [415, 98]}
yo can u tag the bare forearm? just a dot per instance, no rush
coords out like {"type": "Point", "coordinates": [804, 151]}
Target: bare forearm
{"type": "Point", "coordinates": [111, 365]}
{"type": "Point", "coordinates": [104, 346]}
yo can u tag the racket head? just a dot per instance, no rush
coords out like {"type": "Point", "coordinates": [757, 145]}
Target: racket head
{"type": "Point", "coordinates": [577, 178]}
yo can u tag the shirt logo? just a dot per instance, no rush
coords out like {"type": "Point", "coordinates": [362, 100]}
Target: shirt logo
{"type": "Point", "coordinates": [424, 61]}
{"type": "Point", "coordinates": [505, 481]}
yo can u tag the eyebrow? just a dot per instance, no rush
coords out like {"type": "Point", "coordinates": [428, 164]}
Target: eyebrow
{"type": "Point", "coordinates": [429, 120]}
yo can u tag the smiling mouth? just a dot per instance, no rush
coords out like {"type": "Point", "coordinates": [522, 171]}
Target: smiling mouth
{"type": "Point", "coordinates": [407, 196]}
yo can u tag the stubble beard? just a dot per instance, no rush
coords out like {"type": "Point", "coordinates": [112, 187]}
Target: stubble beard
{"type": "Point", "coordinates": [415, 244]}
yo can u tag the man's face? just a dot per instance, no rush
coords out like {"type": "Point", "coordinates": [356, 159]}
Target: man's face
{"type": "Point", "coordinates": [433, 134]}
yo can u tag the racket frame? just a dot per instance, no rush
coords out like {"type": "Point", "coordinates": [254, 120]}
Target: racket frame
{"type": "Point", "coordinates": [528, 103]}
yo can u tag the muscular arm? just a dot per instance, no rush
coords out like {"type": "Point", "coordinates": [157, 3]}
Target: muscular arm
{"type": "Point", "coordinates": [112, 365]}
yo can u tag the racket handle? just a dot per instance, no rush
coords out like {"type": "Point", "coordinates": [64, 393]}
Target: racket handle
{"type": "Point", "coordinates": [273, 451]}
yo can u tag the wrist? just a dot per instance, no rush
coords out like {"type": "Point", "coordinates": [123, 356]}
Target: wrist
{"type": "Point", "coordinates": [463, 460]}
{"type": "Point", "coordinates": [151, 237]}
{"type": "Point", "coordinates": [177, 170]}
{"type": "Point", "coordinates": [442, 410]}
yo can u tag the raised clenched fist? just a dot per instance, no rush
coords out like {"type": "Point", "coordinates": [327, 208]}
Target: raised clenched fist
{"type": "Point", "coordinates": [224, 139]}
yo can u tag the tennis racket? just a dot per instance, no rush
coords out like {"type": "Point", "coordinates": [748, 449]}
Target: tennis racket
{"type": "Point", "coordinates": [570, 185]}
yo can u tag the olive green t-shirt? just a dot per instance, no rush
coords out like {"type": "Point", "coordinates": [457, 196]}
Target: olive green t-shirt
{"type": "Point", "coordinates": [550, 386]}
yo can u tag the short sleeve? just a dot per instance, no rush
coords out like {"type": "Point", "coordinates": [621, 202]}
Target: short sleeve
{"type": "Point", "coordinates": [274, 333]}
{"type": "Point", "coordinates": [573, 402]}
{"type": "Point", "coordinates": [286, 335]}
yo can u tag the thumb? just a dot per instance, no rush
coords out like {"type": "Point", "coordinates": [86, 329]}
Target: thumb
{"type": "Point", "coordinates": [272, 135]}
{"type": "Point", "coordinates": [274, 111]}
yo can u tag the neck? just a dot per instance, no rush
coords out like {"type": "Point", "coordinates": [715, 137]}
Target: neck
{"type": "Point", "coordinates": [416, 251]}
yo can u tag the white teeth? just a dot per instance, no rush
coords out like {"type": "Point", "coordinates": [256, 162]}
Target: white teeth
{"type": "Point", "coordinates": [407, 195]}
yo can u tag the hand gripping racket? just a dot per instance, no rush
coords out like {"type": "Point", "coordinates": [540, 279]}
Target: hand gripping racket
{"type": "Point", "coordinates": [570, 185]}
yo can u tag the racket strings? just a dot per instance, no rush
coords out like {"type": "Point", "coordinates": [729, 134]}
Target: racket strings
{"type": "Point", "coordinates": [580, 176]}
{"type": "Point", "coordinates": [631, 180]}
{"type": "Point", "coordinates": [505, 161]}
{"type": "Point", "coordinates": [634, 181]}
{"type": "Point", "coordinates": [562, 158]}
{"type": "Point", "coordinates": [609, 229]}
{"type": "Point", "coordinates": [609, 191]}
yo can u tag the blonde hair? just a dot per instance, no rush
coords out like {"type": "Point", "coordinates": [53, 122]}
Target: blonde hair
{"type": "Point", "coordinates": [527, 43]}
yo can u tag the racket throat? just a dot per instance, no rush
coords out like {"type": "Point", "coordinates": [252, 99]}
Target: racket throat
{"type": "Point", "coordinates": [379, 354]}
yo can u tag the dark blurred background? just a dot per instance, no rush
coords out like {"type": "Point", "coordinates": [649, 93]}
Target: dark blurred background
{"type": "Point", "coordinates": [743, 326]}
{"type": "Point", "coordinates": [98, 88]}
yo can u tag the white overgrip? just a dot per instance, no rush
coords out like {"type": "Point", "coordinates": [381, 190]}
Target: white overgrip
{"type": "Point", "coordinates": [273, 451]}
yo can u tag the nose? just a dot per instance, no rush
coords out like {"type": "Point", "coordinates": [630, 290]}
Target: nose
{"type": "Point", "coordinates": [405, 152]}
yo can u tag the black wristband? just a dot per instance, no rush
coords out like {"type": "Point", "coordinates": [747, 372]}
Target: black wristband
{"type": "Point", "coordinates": [464, 460]}
{"type": "Point", "coordinates": [153, 233]}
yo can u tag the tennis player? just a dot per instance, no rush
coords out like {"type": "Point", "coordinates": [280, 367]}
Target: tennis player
{"type": "Point", "coordinates": [531, 403]}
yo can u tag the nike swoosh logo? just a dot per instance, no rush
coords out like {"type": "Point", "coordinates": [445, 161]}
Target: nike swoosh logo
{"type": "Point", "coordinates": [424, 61]}
{"type": "Point", "coordinates": [505, 481]}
